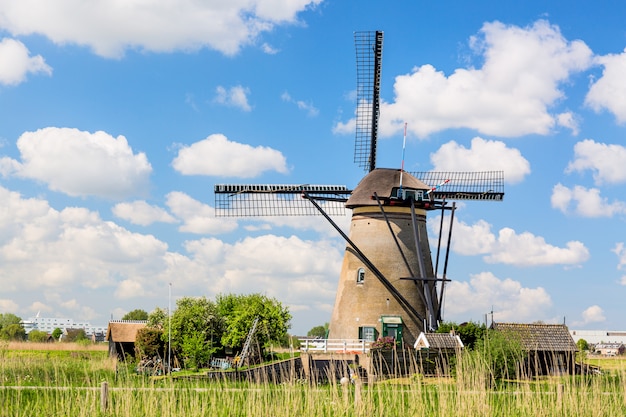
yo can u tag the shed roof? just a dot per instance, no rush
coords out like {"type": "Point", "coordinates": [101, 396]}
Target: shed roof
{"type": "Point", "coordinates": [124, 331]}
{"type": "Point", "coordinates": [438, 341]}
{"type": "Point", "coordinates": [540, 337]}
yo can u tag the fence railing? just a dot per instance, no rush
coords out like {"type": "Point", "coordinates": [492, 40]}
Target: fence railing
{"type": "Point", "coordinates": [334, 345]}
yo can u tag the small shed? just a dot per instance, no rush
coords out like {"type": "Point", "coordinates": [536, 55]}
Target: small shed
{"type": "Point", "coordinates": [434, 351]}
{"type": "Point", "coordinates": [549, 348]}
{"type": "Point", "coordinates": [121, 335]}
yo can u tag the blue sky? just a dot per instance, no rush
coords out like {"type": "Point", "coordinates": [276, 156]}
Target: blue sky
{"type": "Point", "coordinates": [118, 118]}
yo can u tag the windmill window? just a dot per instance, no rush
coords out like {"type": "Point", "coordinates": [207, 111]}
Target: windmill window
{"type": "Point", "coordinates": [360, 276]}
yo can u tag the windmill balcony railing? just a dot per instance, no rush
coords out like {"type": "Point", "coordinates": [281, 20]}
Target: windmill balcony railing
{"type": "Point", "coordinates": [335, 345]}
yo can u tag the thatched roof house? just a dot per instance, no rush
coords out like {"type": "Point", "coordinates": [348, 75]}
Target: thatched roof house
{"type": "Point", "coordinates": [121, 335]}
{"type": "Point", "coordinates": [550, 348]}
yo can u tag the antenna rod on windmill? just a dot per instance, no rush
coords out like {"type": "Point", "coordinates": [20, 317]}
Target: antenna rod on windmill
{"type": "Point", "coordinates": [402, 164]}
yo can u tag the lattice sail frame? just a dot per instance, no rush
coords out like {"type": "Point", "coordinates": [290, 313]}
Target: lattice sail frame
{"type": "Point", "coordinates": [369, 55]}
{"type": "Point", "coordinates": [480, 185]}
{"type": "Point", "coordinates": [258, 200]}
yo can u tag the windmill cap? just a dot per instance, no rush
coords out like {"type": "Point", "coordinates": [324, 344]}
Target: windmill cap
{"type": "Point", "coordinates": [382, 181]}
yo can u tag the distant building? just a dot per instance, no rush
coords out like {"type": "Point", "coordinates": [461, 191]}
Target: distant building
{"type": "Point", "coordinates": [609, 349]}
{"type": "Point", "coordinates": [48, 324]}
{"type": "Point", "coordinates": [594, 337]}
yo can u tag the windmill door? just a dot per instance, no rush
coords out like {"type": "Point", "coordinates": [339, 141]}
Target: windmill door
{"type": "Point", "coordinates": [392, 327]}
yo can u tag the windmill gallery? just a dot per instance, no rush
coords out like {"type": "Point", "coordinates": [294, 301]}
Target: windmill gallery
{"type": "Point", "coordinates": [389, 283]}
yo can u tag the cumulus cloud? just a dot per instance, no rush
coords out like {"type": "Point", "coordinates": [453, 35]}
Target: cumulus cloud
{"type": "Point", "coordinates": [80, 163]}
{"type": "Point", "coordinates": [302, 105]}
{"type": "Point", "coordinates": [236, 96]}
{"type": "Point", "coordinates": [197, 217]}
{"type": "Point", "coordinates": [508, 299]}
{"type": "Point", "coordinates": [217, 156]}
{"type": "Point", "coordinates": [16, 62]}
{"type": "Point", "coordinates": [508, 246]}
{"type": "Point", "coordinates": [593, 314]}
{"type": "Point", "coordinates": [607, 162]}
{"type": "Point", "coordinates": [158, 26]}
{"type": "Point", "coordinates": [585, 202]}
{"type": "Point", "coordinates": [42, 248]}
{"type": "Point", "coordinates": [483, 155]}
{"type": "Point", "coordinates": [609, 91]}
{"type": "Point", "coordinates": [141, 213]}
{"type": "Point", "coordinates": [509, 95]}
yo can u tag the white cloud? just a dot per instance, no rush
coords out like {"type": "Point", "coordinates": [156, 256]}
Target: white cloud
{"type": "Point", "coordinates": [509, 300]}
{"type": "Point", "coordinates": [236, 96]}
{"type": "Point", "coordinates": [197, 217]}
{"type": "Point", "coordinates": [526, 249]}
{"type": "Point", "coordinates": [607, 162]}
{"type": "Point", "coordinates": [593, 314]}
{"type": "Point", "coordinates": [141, 213]}
{"type": "Point", "coordinates": [483, 155]}
{"type": "Point", "coordinates": [509, 247]}
{"type": "Point", "coordinates": [151, 25]}
{"type": "Point", "coordinates": [8, 306]}
{"type": "Point", "coordinates": [16, 62]}
{"type": "Point", "coordinates": [302, 105]}
{"type": "Point", "coordinates": [80, 163]}
{"type": "Point", "coordinates": [568, 120]}
{"type": "Point", "coordinates": [620, 251]}
{"type": "Point", "coordinates": [609, 91]}
{"type": "Point", "coordinates": [585, 202]}
{"type": "Point", "coordinates": [217, 156]}
{"type": "Point", "coordinates": [74, 260]}
{"type": "Point", "coordinates": [49, 249]}
{"type": "Point", "coordinates": [510, 95]}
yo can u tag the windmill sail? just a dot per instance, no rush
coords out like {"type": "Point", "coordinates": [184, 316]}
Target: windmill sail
{"type": "Point", "coordinates": [369, 55]}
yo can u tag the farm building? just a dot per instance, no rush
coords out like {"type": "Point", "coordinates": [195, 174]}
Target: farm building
{"type": "Point", "coordinates": [549, 348]}
{"type": "Point", "coordinates": [434, 351]}
{"type": "Point", "coordinates": [121, 335]}
{"type": "Point", "coordinates": [609, 349]}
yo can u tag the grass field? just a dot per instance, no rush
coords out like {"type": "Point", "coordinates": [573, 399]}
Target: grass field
{"type": "Point", "coordinates": [67, 380]}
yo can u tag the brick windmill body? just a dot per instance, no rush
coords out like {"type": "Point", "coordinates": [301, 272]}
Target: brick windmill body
{"type": "Point", "coordinates": [388, 285]}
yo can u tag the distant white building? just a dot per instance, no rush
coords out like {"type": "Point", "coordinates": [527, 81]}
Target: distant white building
{"type": "Point", "coordinates": [595, 337]}
{"type": "Point", "coordinates": [48, 324]}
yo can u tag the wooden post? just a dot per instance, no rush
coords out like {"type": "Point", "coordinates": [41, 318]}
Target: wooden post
{"type": "Point", "coordinates": [104, 396]}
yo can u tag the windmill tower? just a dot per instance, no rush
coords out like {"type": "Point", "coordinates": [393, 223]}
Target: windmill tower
{"type": "Point", "coordinates": [388, 285]}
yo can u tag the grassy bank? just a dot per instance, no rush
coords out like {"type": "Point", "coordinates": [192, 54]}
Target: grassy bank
{"type": "Point", "coordinates": [68, 382]}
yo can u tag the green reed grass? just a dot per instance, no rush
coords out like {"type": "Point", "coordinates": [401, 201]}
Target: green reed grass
{"type": "Point", "coordinates": [65, 384]}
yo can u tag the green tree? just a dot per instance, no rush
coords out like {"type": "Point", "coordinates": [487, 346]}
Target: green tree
{"type": "Point", "coordinates": [13, 332]}
{"type": "Point", "coordinates": [239, 312]}
{"type": "Point", "coordinates": [9, 318]}
{"type": "Point", "coordinates": [502, 352]}
{"type": "Point", "coordinates": [149, 343]}
{"type": "Point", "coordinates": [137, 314]}
{"type": "Point", "coordinates": [470, 333]}
{"type": "Point", "coordinates": [158, 319]}
{"type": "Point", "coordinates": [582, 344]}
{"type": "Point", "coordinates": [318, 331]}
{"type": "Point", "coordinates": [196, 330]}
{"type": "Point", "coordinates": [37, 336]}
{"type": "Point", "coordinates": [56, 333]}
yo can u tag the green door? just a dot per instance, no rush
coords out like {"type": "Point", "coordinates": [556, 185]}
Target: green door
{"type": "Point", "coordinates": [392, 327]}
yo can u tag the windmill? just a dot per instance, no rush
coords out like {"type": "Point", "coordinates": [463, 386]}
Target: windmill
{"type": "Point", "coordinates": [388, 285]}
